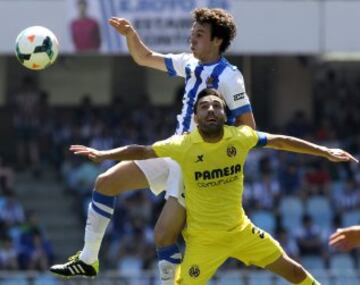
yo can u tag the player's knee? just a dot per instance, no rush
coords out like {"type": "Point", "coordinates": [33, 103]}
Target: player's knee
{"type": "Point", "coordinates": [163, 236]}
{"type": "Point", "coordinates": [103, 184]}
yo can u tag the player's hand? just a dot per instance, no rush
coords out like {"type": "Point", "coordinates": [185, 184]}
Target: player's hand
{"type": "Point", "coordinates": [122, 25]}
{"type": "Point", "coordinates": [345, 239]}
{"type": "Point", "coordinates": [91, 153]}
{"type": "Point", "coordinates": [339, 155]}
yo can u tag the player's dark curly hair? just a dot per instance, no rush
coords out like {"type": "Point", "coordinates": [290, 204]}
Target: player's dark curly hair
{"type": "Point", "coordinates": [206, 92]}
{"type": "Point", "coordinates": [221, 22]}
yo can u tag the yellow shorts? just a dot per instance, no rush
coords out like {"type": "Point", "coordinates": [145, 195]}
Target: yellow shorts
{"type": "Point", "coordinates": [207, 251]}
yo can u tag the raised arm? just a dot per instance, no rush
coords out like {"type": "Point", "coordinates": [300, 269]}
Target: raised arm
{"type": "Point", "coordinates": [141, 54]}
{"type": "Point", "coordinates": [246, 119]}
{"type": "Point", "coordinates": [293, 144]}
{"type": "Point", "coordinates": [129, 152]}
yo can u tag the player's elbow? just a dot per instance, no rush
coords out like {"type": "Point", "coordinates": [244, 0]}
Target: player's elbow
{"type": "Point", "coordinates": [277, 142]}
{"type": "Point", "coordinates": [143, 59]}
{"type": "Point", "coordinates": [141, 152]}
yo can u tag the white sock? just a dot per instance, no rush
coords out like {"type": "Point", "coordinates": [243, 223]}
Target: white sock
{"type": "Point", "coordinates": [169, 264]}
{"type": "Point", "coordinates": [100, 212]}
{"type": "Point", "coordinates": [168, 272]}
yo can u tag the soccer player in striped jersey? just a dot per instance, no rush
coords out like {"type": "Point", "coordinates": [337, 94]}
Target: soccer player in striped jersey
{"type": "Point", "coordinates": [211, 35]}
{"type": "Point", "coordinates": [217, 225]}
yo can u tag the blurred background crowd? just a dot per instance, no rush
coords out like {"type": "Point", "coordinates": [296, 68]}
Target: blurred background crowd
{"type": "Point", "coordinates": [302, 77]}
{"type": "Point", "coordinates": [298, 199]}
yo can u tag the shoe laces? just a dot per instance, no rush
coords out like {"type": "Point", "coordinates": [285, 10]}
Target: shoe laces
{"type": "Point", "coordinates": [74, 257]}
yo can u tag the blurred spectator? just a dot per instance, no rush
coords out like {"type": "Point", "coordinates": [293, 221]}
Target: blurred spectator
{"type": "Point", "coordinates": [35, 251]}
{"type": "Point", "coordinates": [348, 197]}
{"type": "Point", "coordinates": [266, 191]}
{"type": "Point", "coordinates": [85, 30]}
{"type": "Point", "coordinates": [308, 238]}
{"type": "Point", "coordinates": [299, 126]}
{"type": "Point", "coordinates": [26, 121]}
{"type": "Point", "coordinates": [7, 175]}
{"type": "Point", "coordinates": [8, 255]}
{"type": "Point", "coordinates": [317, 178]}
{"type": "Point", "coordinates": [290, 175]}
{"type": "Point", "coordinates": [39, 252]}
{"type": "Point", "coordinates": [11, 211]}
{"type": "Point", "coordinates": [288, 243]}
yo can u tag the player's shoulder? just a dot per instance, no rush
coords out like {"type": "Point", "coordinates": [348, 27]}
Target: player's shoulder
{"type": "Point", "coordinates": [184, 139]}
{"type": "Point", "coordinates": [243, 131]}
{"type": "Point", "coordinates": [231, 72]}
{"type": "Point", "coordinates": [184, 56]}
{"type": "Point", "coordinates": [230, 68]}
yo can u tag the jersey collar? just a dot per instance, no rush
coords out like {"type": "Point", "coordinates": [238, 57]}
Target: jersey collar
{"type": "Point", "coordinates": [197, 138]}
{"type": "Point", "coordinates": [212, 63]}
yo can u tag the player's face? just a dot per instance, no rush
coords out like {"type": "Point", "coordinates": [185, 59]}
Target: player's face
{"type": "Point", "coordinates": [210, 115]}
{"type": "Point", "coordinates": [202, 46]}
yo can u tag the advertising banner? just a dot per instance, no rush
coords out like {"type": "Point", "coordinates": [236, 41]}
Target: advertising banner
{"type": "Point", "coordinates": [164, 25]}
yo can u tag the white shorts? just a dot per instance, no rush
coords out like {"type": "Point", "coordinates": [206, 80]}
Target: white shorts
{"type": "Point", "coordinates": [163, 174]}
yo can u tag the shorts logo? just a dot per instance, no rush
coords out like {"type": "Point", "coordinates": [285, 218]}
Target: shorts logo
{"type": "Point", "coordinates": [231, 151]}
{"type": "Point", "coordinates": [194, 271]}
{"type": "Point", "coordinates": [239, 96]}
{"type": "Point", "coordinates": [259, 232]}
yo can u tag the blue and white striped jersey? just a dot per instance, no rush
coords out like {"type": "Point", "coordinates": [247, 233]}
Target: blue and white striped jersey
{"type": "Point", "coordinates": [220, 75]}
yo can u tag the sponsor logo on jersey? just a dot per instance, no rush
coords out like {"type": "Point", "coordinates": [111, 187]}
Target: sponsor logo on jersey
{"type": "Point", "coordinates": [200, 158]}
{"type": "Point", "coordinates": [231, 151]}
{"type": "Point", "coordinates": [217, 172]}
{"type": "Point", "coordinates": [239, 96]}
{"type": "Point", "coordinates": [209, 82]}
{"type": "Point", "coordinates": [194, 271]}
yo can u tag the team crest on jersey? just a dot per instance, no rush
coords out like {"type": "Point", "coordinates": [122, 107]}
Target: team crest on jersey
{"type": "Point", "coordinates": [209, 82]}
{"type": "Point", "coordinates": [231, 151]}
{"type": "Point", "coordinates": [194, 271]}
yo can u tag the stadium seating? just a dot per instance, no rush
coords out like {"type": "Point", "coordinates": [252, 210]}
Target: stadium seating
{"type": "Point", "coordinates": [342, 262]}
{"type": "Point", "coordinates": [351, 218]}
{"type": "Point", "coordinates": [260, 277]}
{"type": "Point", "coordinates": [319, 208]}
{"type": "Point", "coordinates": [291, 210]}
{"type": "Point", "coordinates": [264, 220]}
{"type": "Point", "coordinates": [313, 262]}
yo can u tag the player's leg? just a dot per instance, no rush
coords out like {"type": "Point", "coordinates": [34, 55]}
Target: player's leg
{"type": "Point", "coordinates": [167, 229]}
{"type": "Point", "coordinates": [205, 253]}
{"type": "Point", "coordinates": [292, 271]}
{"type": "Point", "coordinates": [260, 249]}
{"type": "Point", "coordinates": [122, 177]}
{"type": "Point", "coordinates": [169, 226]}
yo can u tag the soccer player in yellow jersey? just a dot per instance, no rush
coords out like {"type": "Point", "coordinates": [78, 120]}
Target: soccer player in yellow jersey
{"type": "Point", "coordinates": [212, 159]}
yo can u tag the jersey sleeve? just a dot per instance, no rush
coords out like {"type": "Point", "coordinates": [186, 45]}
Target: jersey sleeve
{"type": "Point", "coordinates": [253, 138]}
{"type": "Point", "coordinates": [175, 63]}
{"type": "Point", "coordinates": [171, 147]}
{"type": "Point", "coordinates": [233, 90]}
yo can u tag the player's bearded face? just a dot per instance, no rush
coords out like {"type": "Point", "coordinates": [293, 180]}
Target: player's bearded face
{"type": "Point", "coordinates": [210, 115]}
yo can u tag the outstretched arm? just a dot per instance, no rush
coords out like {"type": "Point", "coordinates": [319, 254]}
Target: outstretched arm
{"type": "Point", "coordinates": [129, 152]}
{"type": "Point", "coordinates": [346, 239]}
{"type": "Point", "coordinates": [293, 144]}
{"type": "Point", "coordinates": [141, 54]}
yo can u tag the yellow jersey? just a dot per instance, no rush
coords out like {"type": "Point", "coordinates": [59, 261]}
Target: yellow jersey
{"type": "Point", "coordinates": [213, 176]}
